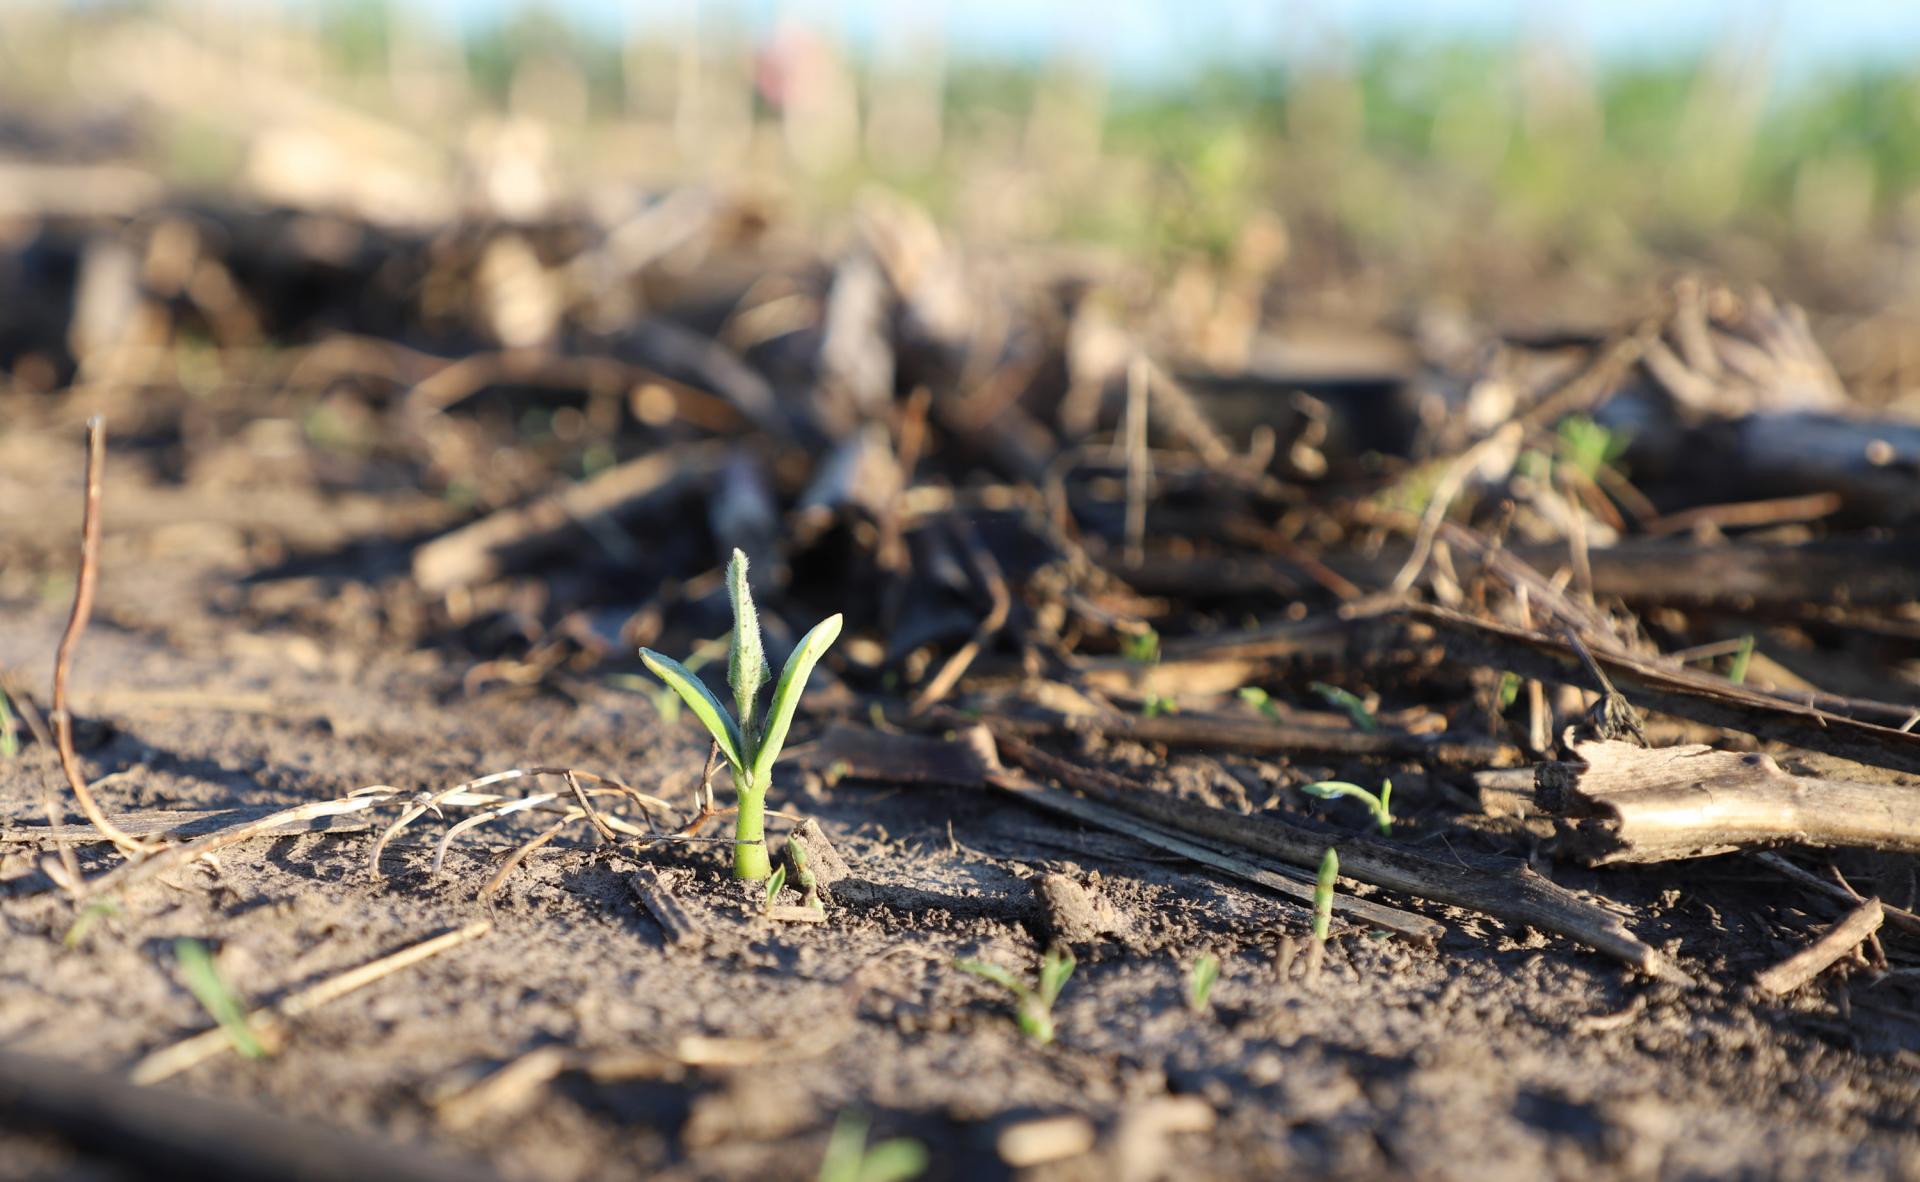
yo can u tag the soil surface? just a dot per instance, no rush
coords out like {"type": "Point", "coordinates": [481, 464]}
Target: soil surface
{"type": "Point", "coordinates": [1491, 1054]}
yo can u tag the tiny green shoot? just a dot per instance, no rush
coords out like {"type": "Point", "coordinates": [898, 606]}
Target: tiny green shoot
{"type": "Point", "coordinates": [1587, 447]}
{"type": "Point", "coordinates": [1257, 698]}
{"type": "Point", "coordinates": [749, 743]}
{"type": "Point", "coordinates": [1334, 789]}
{"type": "Point", "coordinates": [1509, 690]}
{"type": "Point", "coordinates": [1323, 894]}
{"type": "Point", "coordinates": [9, 729]}
{"type": "Point", "coordinates": [92, 914]}
{"type": "Point", "coordinates": [1033, 1007]}
{"type": "Point", "coordinates": [776, 882]}
{"type": "Point", "coordinates": [1737, 672]}
{"type": "Point", "coordinates": [850, 1159]}
{"type": "Point", "coordinates": [1346, 700]}
{"type": "Point", "coordinates": [1142, 648]}
{"type": "Point", "coordinates": [1201, 978]}
{"type": "Point", "coordinates": [196, 967]}
{"type": "Point", "coordinates": [1157, 705]}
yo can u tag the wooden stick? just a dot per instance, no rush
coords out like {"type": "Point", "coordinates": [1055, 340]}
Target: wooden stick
{"type": "Point", "coordinates": [1896, 916]}
{"type": "Point", "coordinates": [1621, 803]}
{"type": "Point", "coordinates": [135, 873]}
{"type": "Point", "coordinates": [272, 1024]}
{"type": "Point", "coordinates": [1840, 939]}
{"type": "Point", "coordinates": [1199, 730]}
{"type": "Point", "coordinates": [653, 895]}
{"type": "Point", "coordinates": [83, 590]}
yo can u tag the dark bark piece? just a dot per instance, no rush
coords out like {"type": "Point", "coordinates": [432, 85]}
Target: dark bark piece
{"type": "Point", "coordinates": [653, 895]}
{"type": "Point", "coordinates": [1623, 803]}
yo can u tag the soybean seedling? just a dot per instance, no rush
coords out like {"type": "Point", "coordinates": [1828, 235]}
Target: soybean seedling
{"type": "Point", "coordinates": [776, 882]}
{"type": "Point", "coordinates": [1323, 894]}
{"type": "Point", "coordinates": [1333, 789]}
{"type": "Point", "coordinates": [749, 742]}
{"type": "Point", "coordinates": [1033, 1008]}
{"type": "Point", "coordinates": [850, 1159]}
{"type": "Point", "coordinates": [1201, 979]}
{"type": "Point", "coordinates": [1258, 698]}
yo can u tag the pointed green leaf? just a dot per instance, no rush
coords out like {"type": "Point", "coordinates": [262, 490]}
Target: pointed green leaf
{"type": "Point", "coordinates": [992, 972]}
{"type": "Point", "coordinates": [701, 701]}
{"type": "Point", "coordinates": [1055, 968]}
{"type": "Point", "coordinates": [786, 696]}
{"type": "Point", "coordinates": [747, 662]}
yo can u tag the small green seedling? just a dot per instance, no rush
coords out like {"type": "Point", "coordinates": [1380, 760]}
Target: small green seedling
{"type": "Point", "coordinates": [1509, 690]}
{"type": "Point", "coordinates": [1033, 1008]}
{"type": "Point", "coordinates": [196, 966]}
{"type": "Point", "coordinates": [1258, 698]}
{"type": "Point", "coordinates": [776, 882]}
{"type": "Point", "coordinates": [1346, 700]}
{"type": "Point", "coordinates": [1142, 648]}
{"type": "Point", "coordinates": [748, 743]}
{"type": "Point", "coordinates": [92, 914]}
{"type": "Point", "coordinates": [1587, 447]}
{"type": "Point", "coordinates": [1737, 672]}
{"type": "Point", "coordinates": [1201, 979]}
{"type": "Point", "coordinates": [803, 878]}
{"type": "Point", "coordinates": [9, 736]}
{"type": "Point", "coordinates": [850, 1159]}
{"type": "Point", "coordinates": [1323, 894]}
{"type": "Point", "coordinates": [1158, 705]}
{"type": "Point", "coordinates": [1334, 789]}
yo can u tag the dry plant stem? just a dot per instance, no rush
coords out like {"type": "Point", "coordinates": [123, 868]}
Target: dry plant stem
{"type": "Point", "coordinates": [520, 855]}
{"type": "Point", "coordinates": [1696, 696]}
{"type": "Point", "coordinates": [134, 873]}
{"type": "Point", "coordinates": [1840, 939]}
{"type": "Point", "coordinates": [1194, 730]}
{"type": "Point", "coordinates": [1092, 812]}
{"type": "Point", "coordinates": [1621, 803]}
{"type": "Point", "coordinates": [652, 894]}
{"type": "Point", "coordinates": [271, 1024]}
{"type": "Point", "coordinates": [1896, 916]}
{"type": "Point", "coordinates": [70, 639]}
{"type": "Point", "coordinates": [986, 573]}
{"type": "Point", "coordinates": [1503, 888]}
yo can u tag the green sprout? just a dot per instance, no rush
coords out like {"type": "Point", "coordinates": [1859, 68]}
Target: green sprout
{"type": "Point", "coordinates": [1323, 894]}
{"type": "Point", "coordinates": [1201, 979]}
{"type": "Point", "coordinates": [1355, 708]}
{"type": "Point", "coordinates": [94, 912]}
{"type": "Point", "coordinates": [1737, 672]}
{"type": "Point", "coordinates": [776, 882]}
{"type": "Point", "coordinates": [1334, 789]}
{"type": "Point", "coordinates": [9, 736]}
{"type": "Point", "coordinates": [1586, 446]}
{"type": "Point", "coordinates": [1157, 705]}
{"type": "Point", "coordinates": [1258, 698]}
{"type": "Point", "coordinates": [1509, 690]}
{"type": "Point", "coordinates": [749, 747]}
{"type": "Point", "coordinates": [803, 877]}
{"type": "Point", "coordinates": [196, 966]}
{"type": "Point", "coordinates": [1033, 1008]}
{"type": "Point", "coordinates": [850, 1159]}
{"type": "Point", "coordinates": [1142, 648]}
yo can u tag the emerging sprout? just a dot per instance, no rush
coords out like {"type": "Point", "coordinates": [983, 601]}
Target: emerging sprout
{"type": "Point", "coordinates": [748, 742]}
{"type": "Point", "coordinates": [1346, 700]}
{"type": "Point", "coordinates": [1323, 894]}
{"type": "Point", "coordinates": [1142, 648]}
{"type": "Point", "coordinates": [1257, 698]}
{"type": "Point", "coordinates": [196, 966]}
{"type": "Point", "coordinates": [1201, 979]}
{"type": "Point", "coordinates": [1033, 1008]}
{"type": "Point", "coordinates": [850, 1159]}
{"type": "Point", "coordinates": [775, 884]}
{"type": "Point", "coordinates": [1333, 789]}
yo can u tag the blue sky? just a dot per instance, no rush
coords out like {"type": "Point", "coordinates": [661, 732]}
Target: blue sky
{"type": "Point", "coordinates": [1145, 38]}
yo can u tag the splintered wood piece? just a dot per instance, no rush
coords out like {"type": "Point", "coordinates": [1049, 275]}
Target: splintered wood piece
{"type": "Point", "coordinates": [1808, 963]}
{"type": "Point", "coordinates": [1276, 738]}
{"type": "Point", "coordinates": [1624, 803]}
{"type": "Point", "coordinates": [659, 902]}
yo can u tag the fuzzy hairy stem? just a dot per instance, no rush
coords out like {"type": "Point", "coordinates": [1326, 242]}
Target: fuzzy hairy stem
{"type": "Point", "coordinates": [750, 859]}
